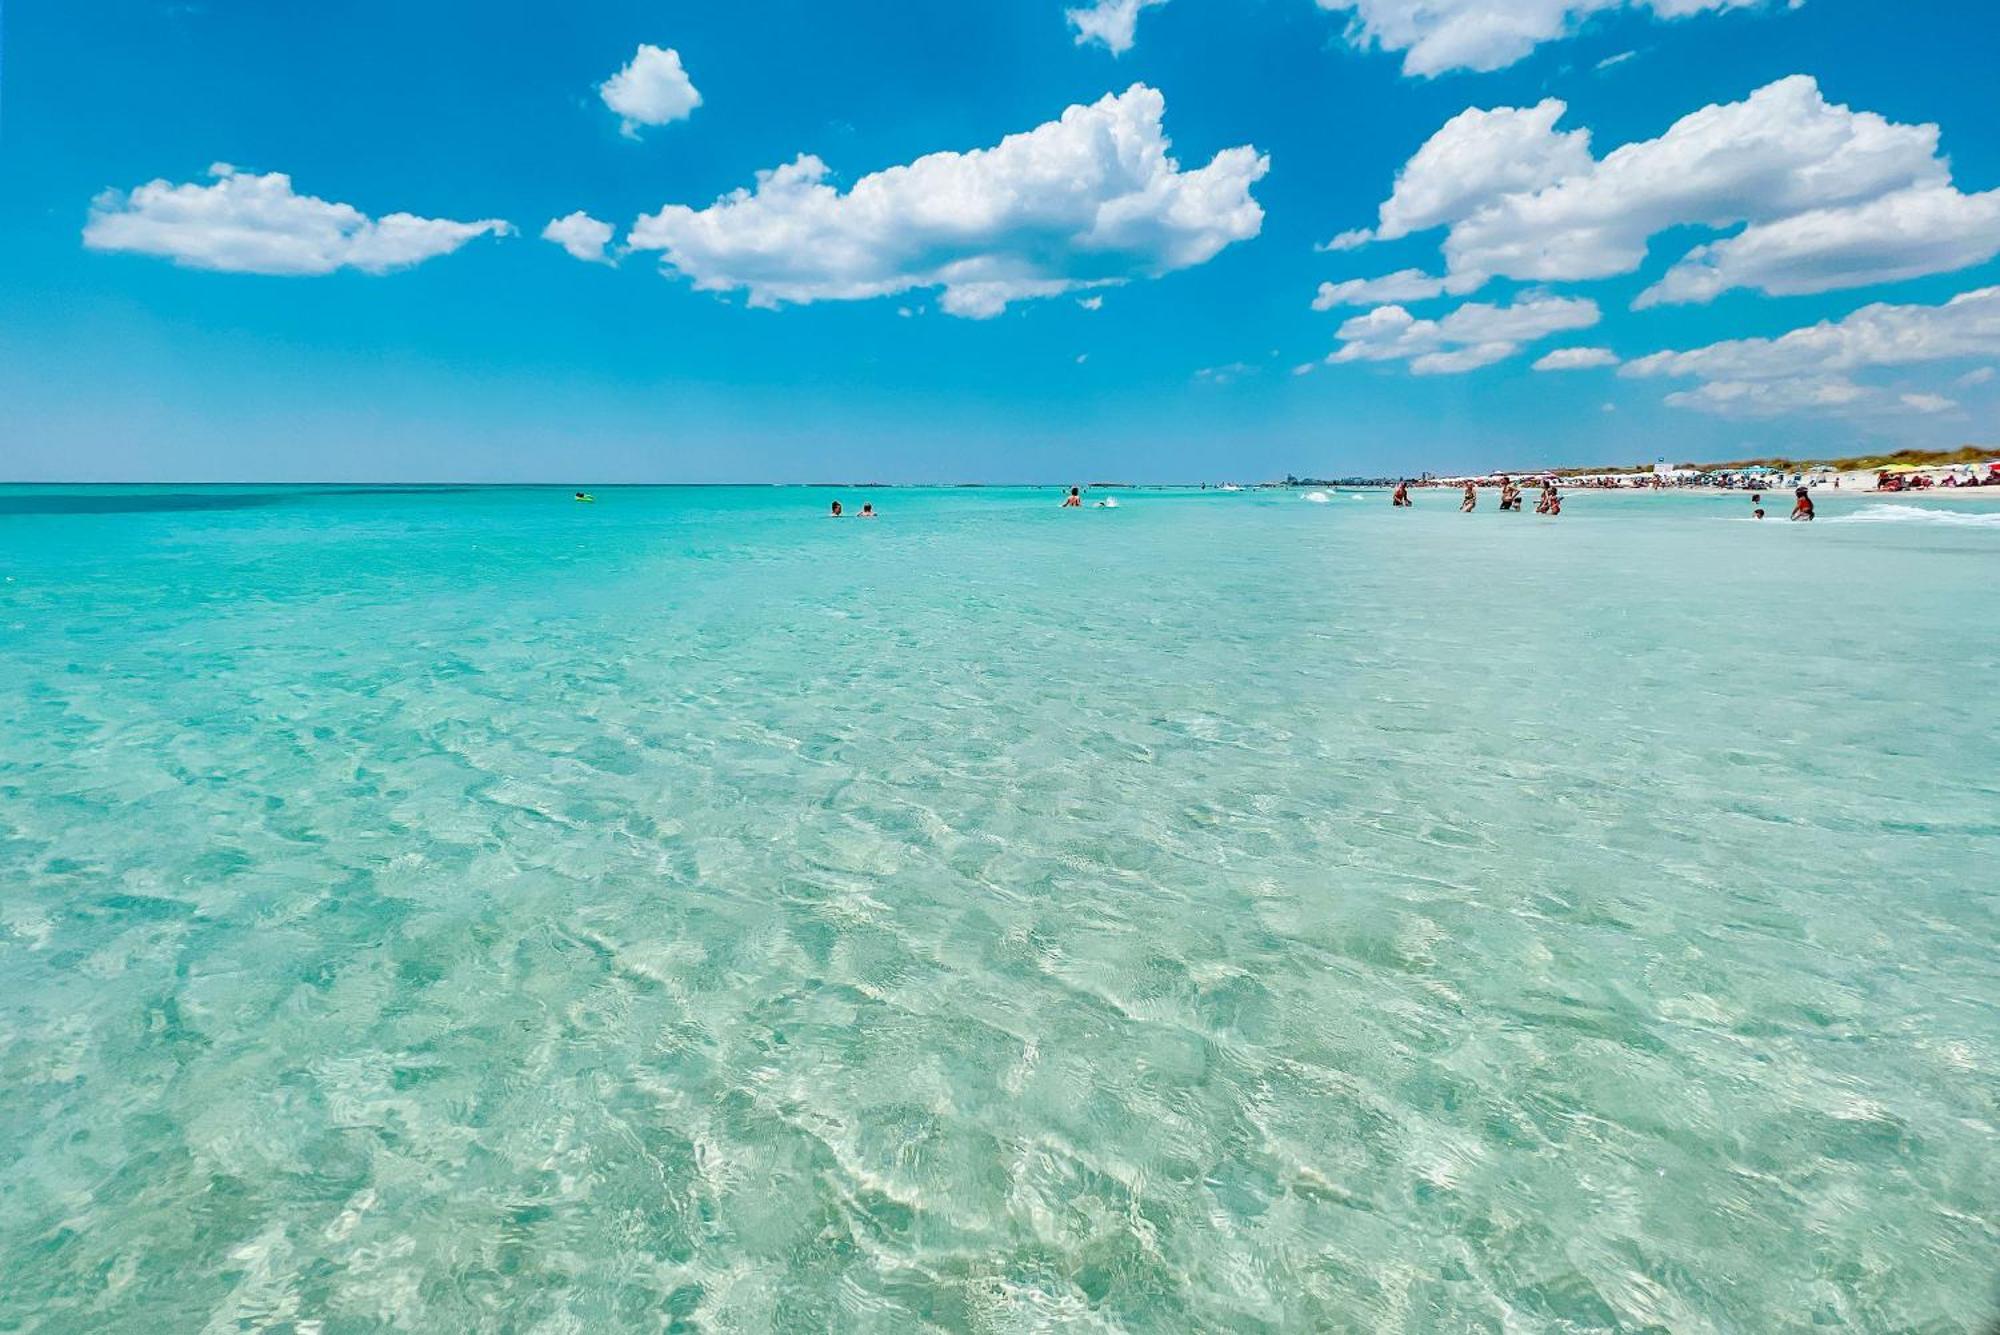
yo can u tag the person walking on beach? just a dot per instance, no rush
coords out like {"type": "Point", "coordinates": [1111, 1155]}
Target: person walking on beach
{"type": "Point", "coordinates": [1402, 496]}
{"type": "Point", "coordinates": [1073, 501]}
{"type": "Point", "coordinates": [1471, 501]}
{"type": "Point", "coordinates": [1802, 506]}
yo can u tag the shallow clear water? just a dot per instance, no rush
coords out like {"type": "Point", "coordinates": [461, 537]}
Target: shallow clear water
{"type": "Point", "coordinates": [475, 910]}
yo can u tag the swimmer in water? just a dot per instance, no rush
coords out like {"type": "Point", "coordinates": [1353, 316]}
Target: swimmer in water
{"type": "Point", "coordinates": [1802, 506]}
{"type": "Point", "coordinates": [835, 513]}
{"type": "Point", "coordinates": [1757, 513]}
{"type": "Point", "coordinates": [1402, 496]}
{"type": "Point", "coordinates": [585, 496]}
{"type": "Point", "coordinates": [867, 509]}
{"type": "Point", "coordinates": [1471, 501]}
{"type": "Point", "coordinates": [1073, 501]}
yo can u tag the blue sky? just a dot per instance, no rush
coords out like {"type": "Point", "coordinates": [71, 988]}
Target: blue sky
{"type": "Point", "coordinates": [1130, 293]}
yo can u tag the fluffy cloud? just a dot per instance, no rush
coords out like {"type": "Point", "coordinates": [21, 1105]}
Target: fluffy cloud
{"type": "Point", "coordinates": [1470, 337]}
{"type": "Point", "coordinates": [652, 89]}
{"type": "Point", "coordinates": [1109, 22]}
{"type": "Point", "coordinates": [1774, 398]}
{"type": "Point", "coordinates": [1403, 285]}
{"type": "Point", "coordinates": [1476, 158]}
{"type": "Point", "coordinates": [1906, 234]}
{"type": "Point", "coordinates": [1436, 36]}
{"type": "Point", "coordinates": [245, 223]}
{"type": "Point", "coordinates": [1879, 335]}
{"type": "Point", "coordinates": [1809, 369]}
{"type": "Point", "coordinates": [1089, 200]}
{"type": "Point", "coordinates": [1576, 359]}
{"type": "Point", "coordinates": [1828, 197]}
{"type": "Point", "coordinates": [582, 236]}
{"type": "Point", "coordinates": [1826, 395]}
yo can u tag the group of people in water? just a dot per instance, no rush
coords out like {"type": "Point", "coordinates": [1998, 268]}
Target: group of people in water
{"type": "Point", "coordinates": [1551, 503]}
{"type": "Point", "coordinates": [1072, 501]}
{"type": "Point", "coordinates": [1802, 506]}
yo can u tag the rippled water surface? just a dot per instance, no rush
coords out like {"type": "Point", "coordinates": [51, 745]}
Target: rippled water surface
{"type": "Point", "coordinates": [476, 910]}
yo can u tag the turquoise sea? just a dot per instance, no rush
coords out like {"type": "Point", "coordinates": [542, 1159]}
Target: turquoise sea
{"type": "Point", "coordinates": [464, 909]}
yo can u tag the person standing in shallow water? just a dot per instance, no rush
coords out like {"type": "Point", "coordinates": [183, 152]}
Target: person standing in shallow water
{"type": "Point", "coordinates": [1402, 496]}
{"type": "Point", "coordinates": [1802, 506]}
{"type": "Point", "coordinates": [1073, 501]}
{"type": "Point", "coordinates": [1471, 501]}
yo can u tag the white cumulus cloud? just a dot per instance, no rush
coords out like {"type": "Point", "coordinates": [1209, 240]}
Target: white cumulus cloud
{"type": "Point", "coordinates": [1438, 36]}
{"type": "Point", "coordinates": [1111, 23]}
{"type": "Point", "coordinates": [1472, 336]}
{"type": "Point", "coordinates": [582, 236]}
{"type": "Point", "coordinates": [1827, 197]}
{"type": "Point", "coordinates": [1403, 285]}
{"type": "Point", "coordinates": [1476, 158]}
{"type": "Point", "coordinates": [1775, 398]}
{"type": "Point", "coordinates": [1575, 359]}
{"type": "Point", "coordinates": [1905, 234]}
{"type": "Point", "coordinates": [652, 89]}
{"type": "Point", "coordinates": [1089, 200]}
{"type": "Point", "coordinates": [246, 223]}
{"type": "Point", "coordinates": [1811, 369]}
{"type": "Point", "coordinates": [1967, 326]}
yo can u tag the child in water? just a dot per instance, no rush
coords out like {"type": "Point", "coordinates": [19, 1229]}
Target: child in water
{"type": "Point", "coordinates": [1802, 507]}
{"type": "Point", "coordinates": [1471, 501]}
